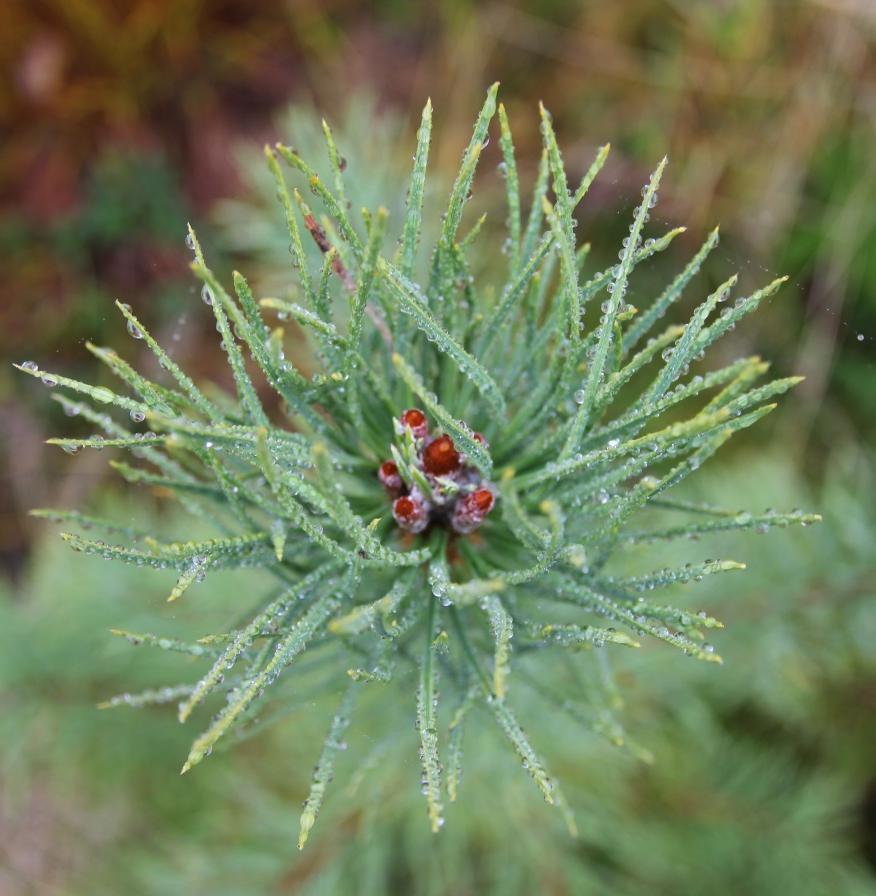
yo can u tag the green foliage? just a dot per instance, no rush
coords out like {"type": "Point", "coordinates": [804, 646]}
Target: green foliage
{"type": "Point", "coordinates": [758, 772]}
{"type": "Point", "coordinates": [577, 441]}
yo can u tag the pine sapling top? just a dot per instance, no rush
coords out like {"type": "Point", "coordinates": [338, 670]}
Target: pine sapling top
{"type": "Point", "coordinates": [466, 469]}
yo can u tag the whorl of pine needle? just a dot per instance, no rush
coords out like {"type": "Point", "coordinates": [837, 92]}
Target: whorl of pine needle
{"type": "Point", "coordinates": [449, 488]}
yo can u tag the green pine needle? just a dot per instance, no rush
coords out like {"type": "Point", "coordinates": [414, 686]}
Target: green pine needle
{"type": "Point", "coordinates": [379, 527]}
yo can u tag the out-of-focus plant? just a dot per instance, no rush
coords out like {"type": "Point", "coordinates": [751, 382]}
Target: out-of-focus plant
{"type": "Point", "coordinates": [246, 223]}
{"type": "Point", "coordinates": [472, 463]}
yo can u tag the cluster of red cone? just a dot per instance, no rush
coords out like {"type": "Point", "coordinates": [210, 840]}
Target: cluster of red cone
{"type": "Point", "coordinates": [460, 497]}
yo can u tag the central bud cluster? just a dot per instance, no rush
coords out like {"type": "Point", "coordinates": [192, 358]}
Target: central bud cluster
{"type": "Point", "coordinates": [431, 482]}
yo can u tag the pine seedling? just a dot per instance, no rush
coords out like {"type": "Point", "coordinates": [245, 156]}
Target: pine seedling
{"type": "Point", "coordinates": [452, 492]}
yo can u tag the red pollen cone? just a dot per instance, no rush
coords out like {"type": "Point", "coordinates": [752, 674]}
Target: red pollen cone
{"type": "Point", "coordinates": [410, 513]}
{"type": "Point", "coordinates": [389, 477]}
{"type": "Point", "coordinates": [405, 508]}
{"type": "Point", "coordinates": [440, 457]}
{"type": "Point", "coordinates": [415, 420]}
{"type": "Point", "coordinates": [483, 500]}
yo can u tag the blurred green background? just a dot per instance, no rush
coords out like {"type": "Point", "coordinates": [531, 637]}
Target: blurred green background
{"type": "Point", "coordinates": [122, 121]}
